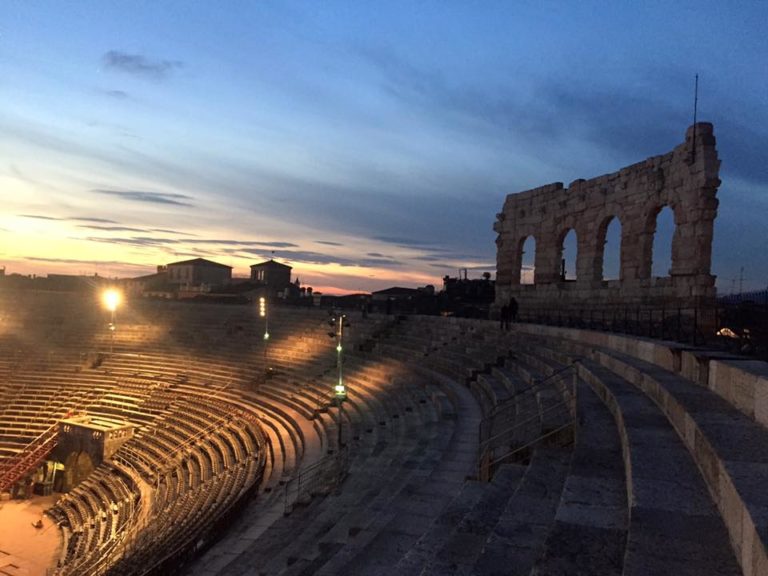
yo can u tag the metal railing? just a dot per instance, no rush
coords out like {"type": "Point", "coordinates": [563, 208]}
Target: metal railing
{"type": "Point", "coordinates": [544, 410]}
{"type": "Point", "coordinates": [320, 478]}
{"type": "Point", "coordinates": [740, 328]}
{"type": "Point", "coordinates": [14, 468]}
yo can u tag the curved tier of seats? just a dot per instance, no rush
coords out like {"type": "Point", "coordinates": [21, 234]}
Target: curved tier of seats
{"type": "Point", "coordinates": [605, 456]}
{"type": "Point", "coordinates": [603, 505]}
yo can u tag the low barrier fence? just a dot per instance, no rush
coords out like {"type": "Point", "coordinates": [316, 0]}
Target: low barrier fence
{"type": "Point", "coordinates": [739, 328]}
{"type": "Point", "coordinates": [320, 478]}
{"type": "Point", "coordinates": [543, 411]}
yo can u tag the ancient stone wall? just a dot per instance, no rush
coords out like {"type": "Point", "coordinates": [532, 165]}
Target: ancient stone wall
{"type": "Point", "coordinates": [685, 180]}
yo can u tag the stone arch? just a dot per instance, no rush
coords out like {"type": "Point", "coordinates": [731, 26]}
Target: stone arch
{"type": "Point", "coordinates": [660, 244]}
{"type": "Point", "coordinates": [77, 467]}
{"type": "Point", "coordinates": [526, 269]}
{"type": "Point", "coordinates": [610, 249]}
{"type": "Point", "coordinates": [568, 252]}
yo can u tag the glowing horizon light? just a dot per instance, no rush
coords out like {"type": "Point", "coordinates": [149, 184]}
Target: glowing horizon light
{"type": "Point", "coordinates": [112, 299]}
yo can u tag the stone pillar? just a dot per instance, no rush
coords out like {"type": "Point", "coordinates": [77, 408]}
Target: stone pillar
{"type": "Point", "coordinates": [547, 259]}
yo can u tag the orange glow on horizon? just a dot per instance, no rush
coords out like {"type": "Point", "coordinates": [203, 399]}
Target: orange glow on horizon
{"type": "Point", "coordinates": [52, 245]}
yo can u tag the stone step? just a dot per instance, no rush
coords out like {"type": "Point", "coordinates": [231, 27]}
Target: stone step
{"type": "Point", "coordinates": [674, 526]}
{"type": "Point", "coordinates": [370, 480]}
{"type": "Point", "coordinates": [590, 530]}
{"type": "Point", "coordinates": [450, 547]}
{"type": "Point", "coordinates": [729, 447]}
{"type": "Point", "coordinates": [518, 538]}
{"type": "Point", "coordinates": [401, 511]}
{"type": "Point", "coordinates": [416, 505]}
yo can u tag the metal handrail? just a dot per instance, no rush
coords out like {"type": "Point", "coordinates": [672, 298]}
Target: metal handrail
{"type": "Point", "coordinates": [533, 387]}
{"type": "Point", "coordinates": [333, 464]}
{"type": "Point", "coordinates": [520, 424]}
{"type": "Point", "coordinates": [529, 444]}
{"type": "Point", "coordinates": [486, 438]}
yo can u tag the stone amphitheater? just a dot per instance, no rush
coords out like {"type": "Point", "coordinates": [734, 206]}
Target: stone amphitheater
{"type": "Point", "coordinates": [465, 450]}
{"type": "Point", "coordinates": [459, 449]}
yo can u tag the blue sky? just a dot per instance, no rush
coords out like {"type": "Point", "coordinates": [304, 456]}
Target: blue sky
{"type": "Point", "coordinates": [368, 144]}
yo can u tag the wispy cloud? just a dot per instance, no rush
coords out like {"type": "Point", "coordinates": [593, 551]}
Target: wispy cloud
{"type": "Point", "coordinates": [166, 231]}
{"type": "Point", "coordinates": [229, 245]}
{"type": "Point", "coordinates": [329, 243]}
{"type": "Point", "coordinates": [133, 240]}
{"type": "Point", "coordinates": [117, 94]}
{"type": "Point", "coordinates": [131, 229]}
{"type": "Point", "coordinates": [101, 220]}
{"type": "Point", "coordinates": [312, 257]}
{"type": "Point", "coordinates": [140, 65]}
{"type": "Point", "coordinates": [89, 262]}
{"type": "Point", "coordinates": [65, 219]}
{"type": "Point", "coordinates": [276, 244]}
{"type": "Point", "coordinates": [152, 197]}
{"type": "Point", "coordinates": [111, 228]}
{"type": "Point", "coordinates": [403, 241]}
{"type": "Point", "coordinates": [38, 217]}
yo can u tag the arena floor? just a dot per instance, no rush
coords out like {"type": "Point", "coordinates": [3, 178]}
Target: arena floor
{"type": "Point", "coordinates": [25, 549]}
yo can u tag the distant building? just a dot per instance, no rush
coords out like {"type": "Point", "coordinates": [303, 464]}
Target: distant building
{"type": "Point", "coordinates": [274, 276]}
{"type": "Point", "coordinates": [151, 284]}
{"type": "Point", "coordinates": [397, 293]}
{"type": "Point", "coordinates": [197, 272]}
{"type": "Point", "coordinates": [404, 300]}
{"type": "Point", "coordinates": [467, 297]}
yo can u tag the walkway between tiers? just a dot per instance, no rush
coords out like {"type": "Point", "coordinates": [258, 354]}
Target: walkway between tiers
{"type": "Point", "coordinates": [260, 513]}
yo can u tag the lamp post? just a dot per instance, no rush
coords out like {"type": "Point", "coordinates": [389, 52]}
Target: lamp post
{"type": "Point", "coordinates": [340, 322]}
{"type": "Point", "coordinates": [264, 314]}
{"type": "Point", "coordinates": [112, 299]}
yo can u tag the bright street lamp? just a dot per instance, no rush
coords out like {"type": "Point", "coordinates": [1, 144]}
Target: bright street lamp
{"type": "Point", "coordinates": [112, 299]}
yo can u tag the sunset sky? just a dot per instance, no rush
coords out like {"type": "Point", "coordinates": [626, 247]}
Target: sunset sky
{"type": "Point", "coordinates": [366, 144]}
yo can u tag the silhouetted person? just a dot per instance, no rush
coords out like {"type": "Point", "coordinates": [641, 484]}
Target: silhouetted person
{"type": "Point", "coordinates": [513, 309]}
{"type": "Point", "coordinates": [504, 317]}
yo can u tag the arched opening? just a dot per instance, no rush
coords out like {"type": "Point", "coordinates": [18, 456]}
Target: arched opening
{"type": "Point", "coordinates": [663, 232]}
{"type": "Point", "coordinates": [77, 467]}
{"type": "Point", "coordinates": [528, 261]}
{"type": "Point", "coordinates": [569, 251]}
{"type": "Point", "coordinates": [612, 250]}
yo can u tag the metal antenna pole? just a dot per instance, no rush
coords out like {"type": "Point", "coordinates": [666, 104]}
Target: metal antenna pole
{"type": "Point", "coordinates": [695, 112]}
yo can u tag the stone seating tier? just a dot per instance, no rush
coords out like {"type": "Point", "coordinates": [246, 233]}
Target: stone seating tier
{"type": "Point", "coordinates": [413, 421]}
